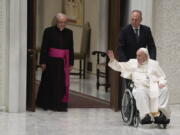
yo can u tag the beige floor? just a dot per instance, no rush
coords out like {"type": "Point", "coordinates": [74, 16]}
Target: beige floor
{"type": "Point", "coordinates": [80, 122]}
{"type": "Point", "coordinates": [88, 86]}
{"type": "Point", "coordinates": [91, 121]}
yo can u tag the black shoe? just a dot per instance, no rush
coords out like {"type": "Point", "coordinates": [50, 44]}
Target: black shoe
{"type": "Point", "coordinates": [161, 119]}
{"type": "Point", "coordinates": [146, 120]}
{"type": "Point", "coordinates": [44, 108]}
{"type": "Point", "coordinates": [167, 121]}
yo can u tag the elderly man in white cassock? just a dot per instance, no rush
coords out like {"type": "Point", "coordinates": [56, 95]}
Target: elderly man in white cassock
{"type": "Point", "coordinates": [150, 86]}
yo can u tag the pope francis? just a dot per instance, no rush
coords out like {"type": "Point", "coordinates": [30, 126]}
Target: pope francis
{"type": "Point", "coordinates": [150, 86]}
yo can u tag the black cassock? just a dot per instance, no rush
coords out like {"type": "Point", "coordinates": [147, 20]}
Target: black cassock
{"type": "Point", "coordinates": [53, 93]}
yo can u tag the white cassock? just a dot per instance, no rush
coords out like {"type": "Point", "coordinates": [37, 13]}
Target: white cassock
{"type": "Point", "coordinates": [149, 97]}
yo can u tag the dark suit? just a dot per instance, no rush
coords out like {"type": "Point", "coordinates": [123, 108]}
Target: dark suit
{"type": "Point", "coordinates": [128, 44]}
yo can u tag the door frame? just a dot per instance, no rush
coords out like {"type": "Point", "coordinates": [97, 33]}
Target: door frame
{"type": "Point", "coordinates": [31, 58]}
{"type": "Point", "coordinates": [114, 29]}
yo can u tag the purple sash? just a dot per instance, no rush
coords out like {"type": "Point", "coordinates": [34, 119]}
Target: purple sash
{"type": "Point", "coordinates": [64, 54]}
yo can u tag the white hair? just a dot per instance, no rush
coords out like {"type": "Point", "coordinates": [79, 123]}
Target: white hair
{"type": "Point", "coordinates": [145, 51]}
{"type": "Point", "coordinates": [60, 15]}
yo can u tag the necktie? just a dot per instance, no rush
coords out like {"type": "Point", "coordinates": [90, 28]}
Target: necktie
{"type": "Point", "coordinates": [137, 35]}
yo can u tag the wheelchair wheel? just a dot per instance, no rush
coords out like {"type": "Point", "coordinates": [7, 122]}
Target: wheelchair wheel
{"type": "Point", "coordinates": [162, 126]}
{"type": "Point", "coordinates": [136, 120]}
{"type": "Point", "coordinates": [127, 109]}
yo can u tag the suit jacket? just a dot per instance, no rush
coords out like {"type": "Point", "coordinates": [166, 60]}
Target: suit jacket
{"type": "Point", "coordinates": [128, 45]}
{"type": "Point", "coordinates": [155, 73]}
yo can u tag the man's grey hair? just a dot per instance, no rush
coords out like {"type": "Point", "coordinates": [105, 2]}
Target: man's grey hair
{"type": "Point", "coordinates": [138, 11]}
{"type": "Point", "coordinates": [58, 15]}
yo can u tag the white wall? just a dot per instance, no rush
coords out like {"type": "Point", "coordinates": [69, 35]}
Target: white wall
{"type": "Point", "coordinates": [103, 25]}
{"type": "Point", "coordinates": [13, 55]}
{"type": "Point", "coordinates": [166, 21]}
{"type": "Point", "coordinates": [146, 6]}
{"type": "Point", "coordinates": [3, 55]}
{"type": "Point", "coordinates": [17, 47]}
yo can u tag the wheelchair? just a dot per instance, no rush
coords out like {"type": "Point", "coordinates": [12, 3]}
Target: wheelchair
{"type": "Point", "coordinates": [130, 114]}
{"type": "Point", "coordinates": [129, 111]}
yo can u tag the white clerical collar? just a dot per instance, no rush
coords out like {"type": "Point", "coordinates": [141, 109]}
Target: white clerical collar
{"type": "Point", "coordinates": [61, 29]}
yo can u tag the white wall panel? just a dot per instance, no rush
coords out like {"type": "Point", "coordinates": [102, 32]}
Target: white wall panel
{"type": "Point", "coordinates": [17, 37]}
{"type": "Point", "coordinates": [167, 36]}
{"type": "Point", "coordinates": [146, 6]}
{"type": "Point", "coordinates": [3, 55]}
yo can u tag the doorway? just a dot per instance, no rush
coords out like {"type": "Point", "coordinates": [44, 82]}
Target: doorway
{"type": "Point", "coordinates": [32, 44]}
